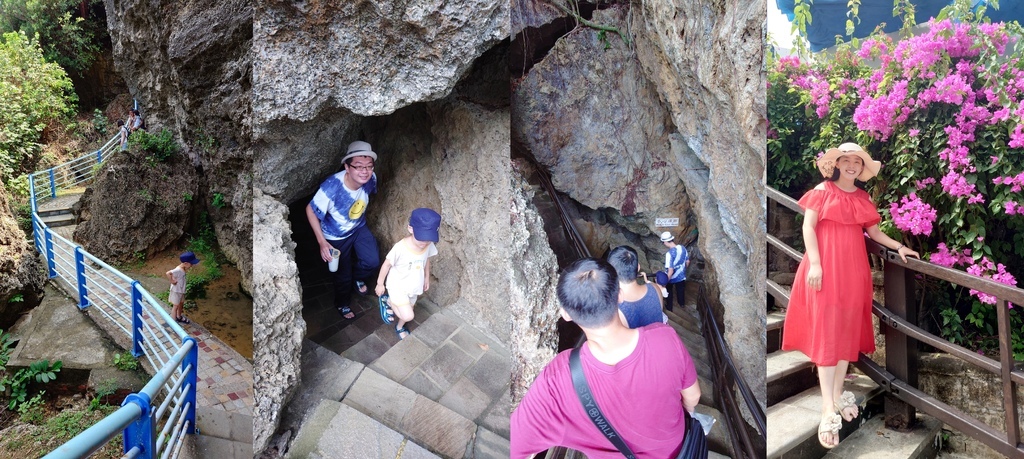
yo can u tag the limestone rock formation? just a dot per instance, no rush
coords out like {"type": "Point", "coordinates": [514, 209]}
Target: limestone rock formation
{"type": "Point", "coordinates": [277, 318]}
{"type": "Point", "coordinates": [189, 66]}
{"type": "Point", "coordinates": [533, 302]}
{"type": "Point", "coordinates": [591, 117]}
{"type": "Point", "coordinates": [136, 205]}
{"type": "Point", "coordinates": [22, 271]}
{"type": "Point", "coordinates": [672, 124]}
{"type": "Point", "coordinates": [366, 57]}
{"type": "Point", "coordinates": [706, 59]}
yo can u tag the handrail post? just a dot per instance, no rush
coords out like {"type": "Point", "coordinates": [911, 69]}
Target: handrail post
{"type": "Point", "coordinates": [99, 156]}
{"type": "Point", "coordinates": [137, 319]}
{"type": "Point", "coordinates": [900, 350]}
{"type": "Point", "coordinates": [83, 300]}
{"type": "Point", "coordinates": [51, 269]}
{"type": "Point", "coordinates": [53, 185]}
{"type": "Point", "coordinates": [141, 432]}
{"type": "Point", "coordinates": [1011, 419]}
{"type": "Point", "coordinates": [32, 191]}
{"type": "Point", "coordinates": [191, 378]}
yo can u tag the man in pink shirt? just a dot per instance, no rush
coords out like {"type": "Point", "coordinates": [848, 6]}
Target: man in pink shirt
{"type": "Point", "coordinates": [642, 379]}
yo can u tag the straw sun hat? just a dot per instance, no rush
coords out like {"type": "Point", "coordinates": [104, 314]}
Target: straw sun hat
{"type": "Point", "coordinates": [827, 162]}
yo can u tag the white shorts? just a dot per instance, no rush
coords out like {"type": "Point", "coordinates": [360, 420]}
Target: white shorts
{"type": "Point", "coordinates": [175, 298]}
{"type": "Point", "coordinates": [399, 297]}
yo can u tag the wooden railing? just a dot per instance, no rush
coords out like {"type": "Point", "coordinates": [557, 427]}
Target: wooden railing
{"type": "Point", "coordinates": [899, 323]}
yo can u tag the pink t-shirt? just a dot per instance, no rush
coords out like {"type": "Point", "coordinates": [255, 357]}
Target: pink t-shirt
{"type": "Point", "coordinates": [640, 397]}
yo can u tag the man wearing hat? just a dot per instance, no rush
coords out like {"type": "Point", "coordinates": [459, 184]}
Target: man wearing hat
{"type": "Point", "coordinates": [676, 260]}
{"type": "Point", "coordinates": [337, 215]}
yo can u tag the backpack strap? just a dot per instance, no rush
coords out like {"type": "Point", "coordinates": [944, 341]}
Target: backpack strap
{"type": "Point", "coordinates": [579, 382]}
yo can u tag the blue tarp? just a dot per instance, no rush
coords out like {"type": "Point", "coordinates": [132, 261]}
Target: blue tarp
{"type": "Point", "coordinates": [828, 17]}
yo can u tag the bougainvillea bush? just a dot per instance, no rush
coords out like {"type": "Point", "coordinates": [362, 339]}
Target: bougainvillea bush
{"type": "Point", "coordinates": [944, 112]}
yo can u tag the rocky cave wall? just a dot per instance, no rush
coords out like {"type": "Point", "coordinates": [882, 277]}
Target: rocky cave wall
{"type": "Point", "coordinates": [671, 124]}
{"type": "Point", "coordinates": [326, 74]}
{"type": "Point", "coordinates": [707, 59]}
{"type": "Point", "coordinates": [22, 270]}
{"type": "Point", "coordinates": [188, 63]}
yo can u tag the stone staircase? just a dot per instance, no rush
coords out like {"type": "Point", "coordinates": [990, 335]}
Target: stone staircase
{"type": "Point", "coordinates": [686, 322]}
{"type": "Point", "coordinates": [220, 434]}
{"type": "Point", "coordinates": [794, 407]}
{"type": "Point", "coordinates": [441, 392]}
{"type": "Point", "coordinates": [57, 214]}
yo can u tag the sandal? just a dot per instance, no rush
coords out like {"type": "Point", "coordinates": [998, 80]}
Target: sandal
{"type": "Point", "coordinates": [347, 313]}
{"type": "Point", "coordinates": [361, 287]}
{"type": "Point", "coordinates": [386, 314]}
{"type": "Point", "coordinates": [830, 423]}
{"type": "Point", "coordinates": [399, 331]}
{"type": "Point", "coordinates": [183, 320]}
{"type": "Point", "coordinates": [847, 400]}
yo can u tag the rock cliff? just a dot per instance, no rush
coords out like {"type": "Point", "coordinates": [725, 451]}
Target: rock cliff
{"type": "Point", "coordinates": [189, 66]}
{"type": "Point", "coordinates": [668, 122]}
{"type": "Point", "coordinates": [22, 271]}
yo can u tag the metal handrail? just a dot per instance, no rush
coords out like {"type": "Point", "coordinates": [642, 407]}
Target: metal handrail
{"type": "Point", "coordinates": [899, 377]}
{"type": "Point", "coordinates": [122, 300]}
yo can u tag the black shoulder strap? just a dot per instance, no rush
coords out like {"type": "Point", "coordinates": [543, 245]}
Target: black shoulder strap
{"type": "Point", "coordinates": [579, 382]}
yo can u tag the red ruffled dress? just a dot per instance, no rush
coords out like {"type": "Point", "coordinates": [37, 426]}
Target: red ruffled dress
{"type": "Point", "coordinates": [834, 323]}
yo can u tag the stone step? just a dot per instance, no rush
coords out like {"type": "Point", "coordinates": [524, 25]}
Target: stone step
{"type": "Point", "coordinates": [54, 221]}
{"type": "Point", "coordinates": [718, 439]}
{"type": "Point", "coordinates": [687, 318]}
{"type": "Point", "coordinates": [425, 422]}
{"type": "Point", "coordinates": [694, 343]}
{"type": "Point", "coordinates": [336, 430]}
{"type": "Point", "coordinates": [774, 329]}
{"type": "Point", "coordinates": [874, 441]}
{"type": "Point", "coordinates": [788, 373]}
{"type": "Point", "coordinates": [201, 446]}
{"type": "Point", "coordinates": [793, 423]}
{"type": "Point", "coordinates": [53, 211]}
{"type": "Point", "coordinates": [216, 423]}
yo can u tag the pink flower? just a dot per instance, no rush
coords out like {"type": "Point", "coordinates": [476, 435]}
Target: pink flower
{"type": "Point", "coordinates": [913, 215]}
{"type": "Point", "coordinates": [914, 132]}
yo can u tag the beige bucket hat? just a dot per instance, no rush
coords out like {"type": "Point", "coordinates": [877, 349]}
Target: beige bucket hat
{"type": "Point", "coordinates": [827, 162]}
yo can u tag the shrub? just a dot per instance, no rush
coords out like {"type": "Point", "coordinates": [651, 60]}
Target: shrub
{"type": "Point", "coordinates": [125, 361]}
{"type": "Point", "coordinates": [33, 92]}
{"type": "Point", "coordinates": [160, 146]}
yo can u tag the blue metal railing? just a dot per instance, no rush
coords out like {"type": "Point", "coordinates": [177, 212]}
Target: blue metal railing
{"type": "Point", "coordinates": [155, 420]}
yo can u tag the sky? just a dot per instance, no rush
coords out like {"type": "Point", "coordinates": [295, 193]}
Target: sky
{"type": "Point", "coordinates": [779, 27]}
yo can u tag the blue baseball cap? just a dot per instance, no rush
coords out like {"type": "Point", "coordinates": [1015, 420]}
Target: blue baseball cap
{"type": "Point", "coordinates": [424, 223]}
{"type": "Point", "coordinates": [189, 257]}
{"type": "Point", "coordinates": [661, 278]}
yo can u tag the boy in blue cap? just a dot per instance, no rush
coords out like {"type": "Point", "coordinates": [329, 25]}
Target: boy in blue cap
{"type": "Point", "coordinates": [406, 270]}
{"type": "Point", "coordinates": [177, 278]}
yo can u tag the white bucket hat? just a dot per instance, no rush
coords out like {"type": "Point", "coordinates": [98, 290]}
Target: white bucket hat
{"type": "Point", "coordinates": [667, 236]}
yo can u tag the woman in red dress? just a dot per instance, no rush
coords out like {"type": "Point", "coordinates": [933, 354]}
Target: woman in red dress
{"type": "Point", "coordinates": [829, 314]}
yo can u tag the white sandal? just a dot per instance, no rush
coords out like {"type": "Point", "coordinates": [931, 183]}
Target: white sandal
{"type": "Point", "coordinates": [830, 423]}
{"type": "Point", "coordinates": [847, 400]}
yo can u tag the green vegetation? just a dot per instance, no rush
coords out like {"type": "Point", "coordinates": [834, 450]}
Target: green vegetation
{"type": "Point", "coordinates": [160, 146]}
{"type": "Point", "coordinates": [104, 388]}
{"type": "Point", "coordinates": [100, 123]}
{"type": "Point", "coordinates": [125, 361]}
{"type": "Point", "coordinates": [33, 93]}
{"type": "Point", "coordinates": [16, 386]}
{"type": "Point", "coordinates": [218, 201]}
{"type": "Point", "coordinates": [204, 244]}
{"type": "Point", "coordinates": [186, 196]}
{"type": "Point", "coordinates": [68, 34]}
{"type": "Point", "coordinates": [5, 348]}
{"type": "Point", "coordinates": [32, 410]}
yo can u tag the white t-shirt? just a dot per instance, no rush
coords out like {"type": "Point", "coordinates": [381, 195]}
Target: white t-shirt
{"type": "Point", "coordinates": [407, 267]}
{"type": "Point", "coordinates": [179, 276]}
